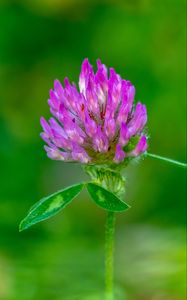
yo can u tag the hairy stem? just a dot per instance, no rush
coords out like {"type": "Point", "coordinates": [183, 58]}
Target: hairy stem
{"type": "Point", "coordinates": [172, 161]}
{"type": "Point", "coordinates": [109, 254]}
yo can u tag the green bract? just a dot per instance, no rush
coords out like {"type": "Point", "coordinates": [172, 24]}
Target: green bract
{"type": "Point", "coordinates": [105, 189]}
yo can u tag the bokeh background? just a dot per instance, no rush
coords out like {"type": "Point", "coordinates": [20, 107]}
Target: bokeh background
{"type": "Point", "coordinates": [62, 258]}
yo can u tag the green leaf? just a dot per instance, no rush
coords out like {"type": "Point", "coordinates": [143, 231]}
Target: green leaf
{"type": "Point", "coordinates": [106, 199]}
{"type": "Point", "coordinates": [50, 206]}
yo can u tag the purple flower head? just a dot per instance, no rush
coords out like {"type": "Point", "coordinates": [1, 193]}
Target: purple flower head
{"type": "Point", "coordinates": [96, 123]}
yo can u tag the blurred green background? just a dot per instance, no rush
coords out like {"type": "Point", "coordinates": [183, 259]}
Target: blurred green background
{"type": "Point", "coordinates": [62, 258]}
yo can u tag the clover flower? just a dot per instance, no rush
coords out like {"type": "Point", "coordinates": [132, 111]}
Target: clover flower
{"type": "Point", "coordinates": [96, 124]}
{"type": "Point", "coordinates": [99, 126]}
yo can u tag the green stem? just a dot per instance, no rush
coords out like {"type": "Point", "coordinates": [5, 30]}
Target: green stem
{"type": "Point", "coordinates": [172, 161]}
{"type": "Point", "coordinates": [109, 254]}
